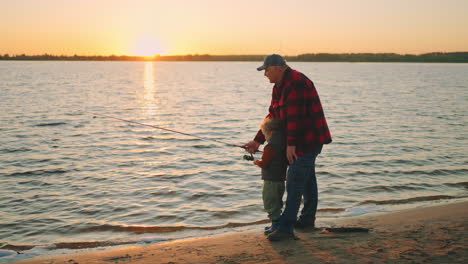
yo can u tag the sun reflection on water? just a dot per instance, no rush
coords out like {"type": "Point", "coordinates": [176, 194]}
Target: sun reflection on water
{"type": "Point", "coordinates": [149, 81]}
{"type": "Point", "coordinates": [149, 90]}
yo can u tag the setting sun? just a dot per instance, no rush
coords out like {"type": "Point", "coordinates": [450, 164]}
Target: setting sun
{"type": "Point", "coordinates": [148, 27]}
{"type": "Point", "coordinates": [148, 46]}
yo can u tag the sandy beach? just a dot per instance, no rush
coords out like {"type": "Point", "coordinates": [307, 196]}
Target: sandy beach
{"type": "Point", "coordinates": [436, 234]}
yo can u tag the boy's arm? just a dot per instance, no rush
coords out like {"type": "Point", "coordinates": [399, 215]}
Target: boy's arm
{"type": "Point", "coordinates": [267, 157]}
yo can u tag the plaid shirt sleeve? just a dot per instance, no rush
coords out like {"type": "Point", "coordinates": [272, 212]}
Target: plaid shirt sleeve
{"type": "Point", "coordinates": [260, 138]}
{"type": "Point", "coordinates": [300, 106]}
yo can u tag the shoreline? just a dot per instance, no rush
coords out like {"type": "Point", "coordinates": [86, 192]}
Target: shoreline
{"type": "Point", "coordinates": [432, 234]}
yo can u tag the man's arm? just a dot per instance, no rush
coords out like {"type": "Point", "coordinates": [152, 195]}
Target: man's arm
{"type": "Point", "coordinates": [260, 138]}
{"type": "Point", "coordinates": [252, 146]}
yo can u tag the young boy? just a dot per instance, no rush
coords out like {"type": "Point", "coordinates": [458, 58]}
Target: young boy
{"type": "Point", "coordinates": [274, 165]}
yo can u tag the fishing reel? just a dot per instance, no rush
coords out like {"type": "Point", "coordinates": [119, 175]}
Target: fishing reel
{"type": "Point", "coordinates": [249, 158]}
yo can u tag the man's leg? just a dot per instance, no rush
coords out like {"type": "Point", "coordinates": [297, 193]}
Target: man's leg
{"type": "Point", "coordinates": [307, 218]}
{"type": "Point", "coordinates": [298, 173]}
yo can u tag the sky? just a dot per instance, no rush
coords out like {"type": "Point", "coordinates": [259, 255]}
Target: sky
{"type": "Point", "coordinates": [177, 27]}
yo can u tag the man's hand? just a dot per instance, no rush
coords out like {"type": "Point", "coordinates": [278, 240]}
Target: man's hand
{"type": "Point", "coordinates": [291, 154]}
{"type": "Point", "coordinates": [252, 146]}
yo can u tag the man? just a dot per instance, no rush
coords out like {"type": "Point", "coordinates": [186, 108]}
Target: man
{"type": "Point", "coordinates": [295, 100]}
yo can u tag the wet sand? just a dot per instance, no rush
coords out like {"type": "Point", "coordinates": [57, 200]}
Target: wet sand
{"type": "Point", "coordinates": [436, 234]}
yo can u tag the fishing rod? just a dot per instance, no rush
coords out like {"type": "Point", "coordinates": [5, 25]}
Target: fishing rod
{"type": "Point", "coordinates": [178, 132]}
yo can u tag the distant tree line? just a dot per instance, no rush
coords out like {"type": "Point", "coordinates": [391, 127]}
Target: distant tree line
{"type": "Point", "coordinates": [460, 57]}
{"type": "Point", "coordinates": [385, 57]}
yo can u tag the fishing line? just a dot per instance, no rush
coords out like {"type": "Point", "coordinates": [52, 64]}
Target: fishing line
{"type": "Point", "coordinates": [170, 130]}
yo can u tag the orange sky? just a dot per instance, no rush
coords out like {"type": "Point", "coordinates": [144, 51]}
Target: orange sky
{"type": "Point", "coordinates": [148, 27]}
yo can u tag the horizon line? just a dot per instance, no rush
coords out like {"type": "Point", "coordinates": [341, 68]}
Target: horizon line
{"type": "Point", "coordinates": [444, 57]}
{"type": "Point", "coordinates": [217, 55]}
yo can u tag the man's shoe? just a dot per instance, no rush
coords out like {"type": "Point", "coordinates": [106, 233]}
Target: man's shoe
{"type": "Point", "coordinates": [301, 225]}
{"type": "Point", "coordinates": [279, 235]}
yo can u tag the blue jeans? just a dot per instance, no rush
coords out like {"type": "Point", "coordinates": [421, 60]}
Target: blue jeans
{"type": "Point", "coordinates": [300, 182]}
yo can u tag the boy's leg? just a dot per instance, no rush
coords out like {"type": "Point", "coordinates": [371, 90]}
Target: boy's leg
{"type": "Point", "coordinates": [272, 194]}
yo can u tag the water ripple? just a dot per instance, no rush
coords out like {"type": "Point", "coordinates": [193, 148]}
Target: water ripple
{"type": "Point", "coordinates": [67, 173]}
{"type": "Point", "coordinates": [40, 172]}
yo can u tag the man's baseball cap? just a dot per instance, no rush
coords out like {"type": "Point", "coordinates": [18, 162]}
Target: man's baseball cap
{"type": "Point", "coordinates": [272, 60]}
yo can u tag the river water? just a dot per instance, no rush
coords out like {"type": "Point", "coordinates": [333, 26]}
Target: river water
{"type": "Point", "coordinates": [67, 175]}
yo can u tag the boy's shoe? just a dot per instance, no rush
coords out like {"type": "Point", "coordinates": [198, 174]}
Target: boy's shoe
{"type": "Point", "coordinates": [268, 231]}
{"type": "Point", "coordinates": [279, 235]}
{"type": "Point", "coordinates": [271, 229]}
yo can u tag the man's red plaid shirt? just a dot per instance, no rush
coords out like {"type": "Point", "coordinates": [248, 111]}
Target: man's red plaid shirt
{"type": "Point", "coordinates": [296, 101]}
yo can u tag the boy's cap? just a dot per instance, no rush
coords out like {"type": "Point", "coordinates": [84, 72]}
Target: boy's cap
{"type": "Point", "coordinates": [272, 60]}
